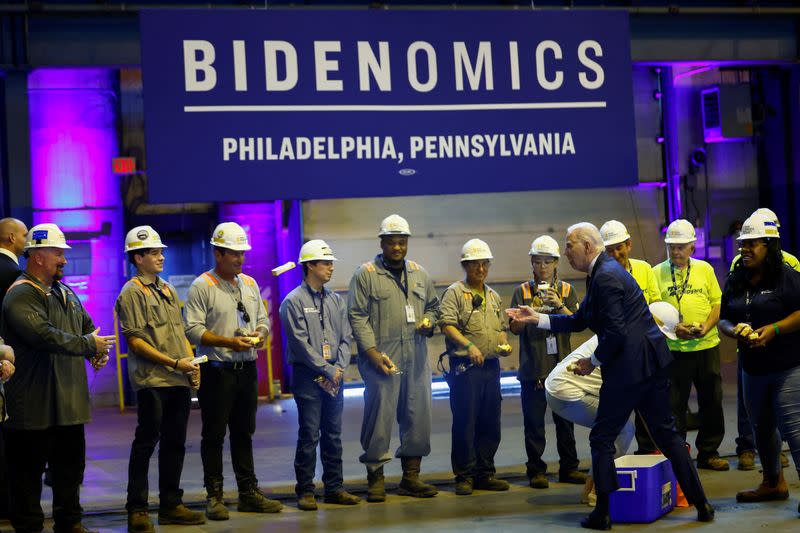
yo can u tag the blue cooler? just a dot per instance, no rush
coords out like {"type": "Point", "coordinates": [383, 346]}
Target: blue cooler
{"type": "Point", "coordinates": [646, 489]}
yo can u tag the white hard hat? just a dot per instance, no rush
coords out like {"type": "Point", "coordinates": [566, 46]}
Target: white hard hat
{"type": "Point", "coordinates": [680, 232]}
{"type": "Point", "coordinates": [614, 232]}
{"type": "Point", "coordinates": [142, 238]}
{"type": "Point", "coordinates": [316, 250]}
{"type": "Point", "coordinates": [666, 317]}
{"type": "Point", "coordinates": [230, 235]}
{"type": "Point", "coordinates": [545, 245]}
{"type": "Point", "coordinates": [769, 214]}
{"type": "Point", "coordinates": [46, 236]}
{"type": "Point", "coordinates": [394, 225]}
{"type": "Point", "coordinates": [758, 227]}
{"type": "Point", "coordinates": [474, 250]}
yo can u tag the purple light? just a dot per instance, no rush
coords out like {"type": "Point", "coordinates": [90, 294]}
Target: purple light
{"type": "Point", "coordinates": [73, 137]}
{"type": "Point", "coordinates": [659, 139]}
{"type": "Point", "coordinates": [689, 73]}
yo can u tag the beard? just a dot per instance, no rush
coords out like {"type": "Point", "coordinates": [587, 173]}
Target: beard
{"type": "Point", "coordinates": [58, 275]}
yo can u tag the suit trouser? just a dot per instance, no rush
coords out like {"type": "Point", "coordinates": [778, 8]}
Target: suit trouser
{"type": "Point", "coordinates": [64, 449]}
{"type": "Point", "coordinates": [651, 399]}
{"type": "Point", "coordinates": [701, 368]}
{"type": "Point", "coordinates": [319, 416]}
{"type": "Point", "coordinates": [4, 505]}
{"type": "Point", "coordinates": [163, 414]}
{"type": "Point", "coordinates": [228, 400]}
{"type": "Point", "coordinates": [534, 405]}
{"type": "Point", "coordinates": [475, 402]}
{"type": "Point", "coordinates": [405, 397]}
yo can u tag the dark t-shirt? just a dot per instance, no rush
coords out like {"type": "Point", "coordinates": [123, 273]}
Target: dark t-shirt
{"type": "Point", "coordinates": [767, 306]}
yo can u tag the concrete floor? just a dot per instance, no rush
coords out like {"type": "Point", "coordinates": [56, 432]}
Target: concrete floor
{"type": "Point", "coordinates": [520, 509]}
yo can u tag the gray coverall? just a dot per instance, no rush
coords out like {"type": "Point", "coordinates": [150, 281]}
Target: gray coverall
{"type": "Point", "coordinates": [377, 310]}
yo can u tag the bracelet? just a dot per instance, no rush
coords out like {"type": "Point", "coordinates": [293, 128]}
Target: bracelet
{"type": "Point", "coordinates": [777, 329]}
{"type": "Point", "coordinates": [175, 366]}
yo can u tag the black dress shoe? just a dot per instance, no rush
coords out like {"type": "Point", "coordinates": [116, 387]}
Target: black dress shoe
{"type": "Point", "coordinates": [597, 520]}
{"type": "Point", "coordinates": [705, 513]}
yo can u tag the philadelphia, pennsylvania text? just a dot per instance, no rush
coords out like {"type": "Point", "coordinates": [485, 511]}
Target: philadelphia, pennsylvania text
{"type": "Point", "coordinates": [384, 147]}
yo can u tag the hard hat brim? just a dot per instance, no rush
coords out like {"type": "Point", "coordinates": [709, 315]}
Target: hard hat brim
{"type": "Point", "coordinates": [61, 246]}
{"type": "Point", "coordinates": [152, 247]}
{"type": "Point", "coordinates": [612, 242]}
{"type": "Point", "coordinates": [669, 334]}
{"type": "Point", "coordinates": [533, 253]}
{"type": "Point", "coordinates": [301, 261]}
{"type": "Point", "coordinates": [390, 233]}
{"type": "Point", "coordinates": [234, 247]}
{"type": "Point", "coordinates": [680, 241]}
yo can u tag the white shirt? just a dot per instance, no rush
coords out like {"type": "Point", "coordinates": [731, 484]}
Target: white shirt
{"type": "Point", "coordinates": [544, 320]}
{"type": "Point", "coordinates": [10, 254]}
{"type": "Point", "coordinates": [566, 385]}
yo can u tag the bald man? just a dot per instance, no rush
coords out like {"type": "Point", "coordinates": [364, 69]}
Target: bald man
{"type": "Point", "coordinates": [12, 245]}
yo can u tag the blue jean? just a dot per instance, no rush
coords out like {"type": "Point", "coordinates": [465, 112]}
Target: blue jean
{"type": "Point", "coordinates": [475, 401]}
{"type": "Point", "coordinates": [534, 405]}
{"type": "Point", "coordinates": [773, 402]}
{"type": "Point", "coordinates": [583, 413]}
{"type": "Point", "coordinates": [744, 440]}
{"type": "Point", "coordinates": [320, 422]}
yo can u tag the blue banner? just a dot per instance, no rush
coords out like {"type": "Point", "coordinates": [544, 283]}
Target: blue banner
{"type": "Point", "coordinates": [260, 104]}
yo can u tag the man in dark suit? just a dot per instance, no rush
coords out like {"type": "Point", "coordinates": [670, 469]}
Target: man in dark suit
{"type": "Point", "coordinates": [634, 358]}
{"type": "Point", "coordinates": [12, 245]}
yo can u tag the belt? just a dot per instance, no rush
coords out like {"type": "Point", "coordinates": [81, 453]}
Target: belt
{"type": "Point", "coordinates": [232, 365]}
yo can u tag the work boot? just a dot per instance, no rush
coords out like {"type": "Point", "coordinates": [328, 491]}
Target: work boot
{"type": "Point", "coordinates": [180, 515]}
{"type": "Point", "coordinates": [215, 503]}
{"type": "Point", "coordinates": [463, 486]}
{"type": "Point", "coordinates": [539, 481]}
{"type": "Point", "coordinates": [376, 487]}
{"type": "Point", "coordinates": [139, 522]}
{"type": "Point", "coordinates": [410, 485]}
{"type": "Point", "coordinates": [307, 502]}
{"type": "Point", "coordinates": [491, 483]}
{"type": "Point", "coordinates": [573, 477]}
{"type": "Point", "coordinates": [251, 500]}
{"type": "Point", "coordinates": [342, 497]}
{"type": "Point", "coordinates": [715, 462]}
{"type": "Point", "coordinates": [747, 460]}
{"type": "Point", "coordinates": [771, 488]}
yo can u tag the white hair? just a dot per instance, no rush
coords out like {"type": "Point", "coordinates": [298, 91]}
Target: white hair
{"type": "Point", "coordinates": [586, 232]}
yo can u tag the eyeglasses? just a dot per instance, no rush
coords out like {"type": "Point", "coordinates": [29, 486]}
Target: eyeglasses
{"type": "Point", "coordinates": [241, 309]}
{"type": "Point", "coordinates": [543, 262]}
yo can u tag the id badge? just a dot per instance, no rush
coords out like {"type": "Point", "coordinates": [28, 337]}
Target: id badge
{"type": "Point", "coordinates": [326, 351]}
{"type": "Point", "coordinates": [411, 316]}
{"type": "Point", "coordinates": [552, 345]}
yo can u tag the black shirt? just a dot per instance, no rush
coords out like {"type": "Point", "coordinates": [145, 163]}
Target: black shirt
{"type": "Point", "coordinates": [767, 306]}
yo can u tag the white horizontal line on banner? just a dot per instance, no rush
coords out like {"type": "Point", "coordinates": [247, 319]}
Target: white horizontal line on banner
{"type": "Point", "coordinates": [442, 107]}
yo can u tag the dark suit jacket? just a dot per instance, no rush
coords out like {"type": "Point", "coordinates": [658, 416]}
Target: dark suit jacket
{"type": "Point", "coordinates": [9, 272]}
{"type": "Point", "coordinates": [631, 348]}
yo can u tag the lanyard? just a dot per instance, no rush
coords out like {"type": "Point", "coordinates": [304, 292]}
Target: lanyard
{"type": "Point", "coordinates": [399, 281]}
{"type": "Point", "coordinates": [679, 295]}
{"type": "Point", "coordinates": [748, 299]}
{"type": "Point", "coordinates": [321, 308]}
